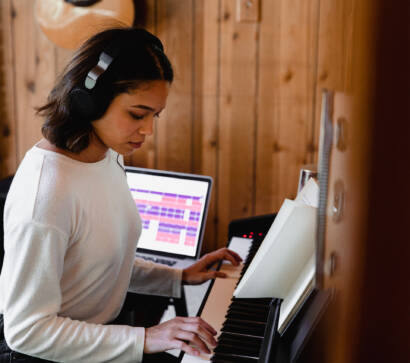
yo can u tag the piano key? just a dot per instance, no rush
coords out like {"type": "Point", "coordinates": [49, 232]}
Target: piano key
{"type": "Point", "coordinates": [239, 344]}
{"type": "Point", "coordinates": [246, 316]}
{"type": "Point", "coordinates": [245, 326]}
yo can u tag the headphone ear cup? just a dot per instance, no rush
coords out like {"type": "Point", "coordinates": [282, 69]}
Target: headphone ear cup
{"type": "Point", "coordinates": [82, 103]}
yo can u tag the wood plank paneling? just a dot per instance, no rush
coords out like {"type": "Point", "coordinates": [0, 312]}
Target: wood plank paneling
{"type": "Point", "coordinates": [207, 25]}
{"type": "Point", "coordinates": [8, 131]}
{"type": "Point", "coordinates": [287, 69]}
{"type": "Point", "coordinates": [34, 71]}
{"type": "Point", "coordinates": [236, 118]}
{"type": "Point", "coordinates": [334, 53]}
{"type": "Point", "coordinates": [146, 156]}
{"type": "Point", "coordinates": [244, 105]}
{"type": "Point", "coordinates": [174, 128]}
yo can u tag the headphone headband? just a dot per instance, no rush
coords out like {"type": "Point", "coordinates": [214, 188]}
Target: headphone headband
{"type": "Point", "coordinates": [92, 76]}
{"type": "Point", "coordinates": [104, 61]}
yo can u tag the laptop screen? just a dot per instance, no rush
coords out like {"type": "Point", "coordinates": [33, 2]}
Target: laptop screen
{"type": "Point", "coordinates": [173, 208]}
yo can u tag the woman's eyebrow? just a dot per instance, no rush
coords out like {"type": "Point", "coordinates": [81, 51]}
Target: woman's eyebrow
{"type": "Point", "coordinates": [144, 107]}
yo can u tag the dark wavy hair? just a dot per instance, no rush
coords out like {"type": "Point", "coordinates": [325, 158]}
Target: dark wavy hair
{"type": "Point", "coordinates": [140, 59]}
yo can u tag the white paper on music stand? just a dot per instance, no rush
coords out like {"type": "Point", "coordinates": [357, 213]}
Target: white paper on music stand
{"type": "Point", "coordinates": [309, 194]}
{"type": "Point", "coordinates": [284, 253]}
{"type": "Point", "coordinates": [297, 294]}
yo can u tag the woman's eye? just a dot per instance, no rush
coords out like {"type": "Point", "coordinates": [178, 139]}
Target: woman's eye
{"type": "Point", "coordinates": [137, 117]}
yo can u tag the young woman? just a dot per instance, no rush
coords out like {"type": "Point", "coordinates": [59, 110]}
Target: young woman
{"type": "Point", "coordinates": [71, 225]}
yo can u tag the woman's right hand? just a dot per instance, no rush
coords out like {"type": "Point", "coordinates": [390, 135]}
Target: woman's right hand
{"type": "Point", "coordinates": [180, 333]}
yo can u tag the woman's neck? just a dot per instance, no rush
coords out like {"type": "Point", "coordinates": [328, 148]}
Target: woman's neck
{"type": "Point", "coordinates": [94, 152]}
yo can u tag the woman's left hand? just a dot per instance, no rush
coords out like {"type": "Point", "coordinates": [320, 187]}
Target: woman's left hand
{"type": "Point", "coordinates": [200, 271]}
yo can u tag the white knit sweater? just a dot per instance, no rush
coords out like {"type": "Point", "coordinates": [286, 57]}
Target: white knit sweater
{"type": "Point", "coordinates": [71, 230]}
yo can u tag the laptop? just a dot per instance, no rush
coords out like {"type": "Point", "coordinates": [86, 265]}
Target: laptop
{"type": "Point", "coordinates": [173, 207]}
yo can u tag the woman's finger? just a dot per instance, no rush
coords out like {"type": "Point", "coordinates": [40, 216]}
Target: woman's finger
{"type": "Point", "coordinates": [179, 344]}
{"type": "Point", "coordinates": [229, 255]}
{"type": "Point", "coordinates": [235, 255]}
{"type": "Point", "coordinates": [197, 320]}
{"type": "Point", "coordinates": [193, 339]}
{"type": "Point", "coordinates": [201, 331]}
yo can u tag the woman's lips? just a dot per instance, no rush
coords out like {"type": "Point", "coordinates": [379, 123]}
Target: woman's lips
{"type": "Point", "coordinates": [135, 145]}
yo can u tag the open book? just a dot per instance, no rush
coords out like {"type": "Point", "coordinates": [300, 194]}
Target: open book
{"type": "Point", "coordinates": [284, 266]}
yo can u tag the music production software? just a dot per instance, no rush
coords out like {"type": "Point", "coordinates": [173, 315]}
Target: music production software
{"type": "Point", "coordinates": [171, 210]}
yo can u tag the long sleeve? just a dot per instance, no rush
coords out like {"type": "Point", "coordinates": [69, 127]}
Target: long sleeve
{"type": "Point", "coordinates": [155, 279]}
{"type": "Point", "coordinates": [32, 298]}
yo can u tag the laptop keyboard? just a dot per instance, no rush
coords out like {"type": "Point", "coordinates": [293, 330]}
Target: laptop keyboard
{"type": "Point", "coordinates": [163, 261]}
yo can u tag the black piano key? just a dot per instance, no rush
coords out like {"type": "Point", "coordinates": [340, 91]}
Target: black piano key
{"type": "Point", "coordinates": [241, 336]}
{"type": "Point", "coordinates": [239, 344]}
{"type": "Point", "coordinates": [253, 300]}
{"type": "Point", "coordinates": [248, 342]}
{"type": "Point", "coordinates": [246, 316]}
{"type": "Point", "coordinates": [256, 311]}
{"type": "Point", "coordinates": [249, 306]}
{"type": "Point", "coordinates": [246, 303]}
{"type": "Point", "coordinates": [244, 326]}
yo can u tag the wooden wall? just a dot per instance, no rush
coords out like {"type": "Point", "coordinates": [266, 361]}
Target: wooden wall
{"type": "Point", "coordinates": [244, 107]}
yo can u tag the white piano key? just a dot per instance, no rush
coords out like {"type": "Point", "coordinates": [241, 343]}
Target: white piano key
{"type": "Point", "coordinates": [240, 246]}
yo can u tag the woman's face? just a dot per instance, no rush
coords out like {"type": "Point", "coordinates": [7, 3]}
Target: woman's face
{"type": "Point", "coordinates": [130, 117]}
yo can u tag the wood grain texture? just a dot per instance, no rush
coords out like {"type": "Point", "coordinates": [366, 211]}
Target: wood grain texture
{"type": "Point", "coordinates": [334, 53]}
{"type": "Point", "coordinates": [174, 128]}
{"type": "Point", "coordinates": [206, 93]}
{"type": "Point", "coordinates": [146, 156]}
{"type": "Point", "coordinates": [237, 104]}
{"type": "Point", "coordinates": [8, 150]}
{"type": "Point", "coordinates": [34, 72]}
{"type": "Point", "coordinates": [243, 107]}
{"type": "Point", "coordinates": [287, 66]}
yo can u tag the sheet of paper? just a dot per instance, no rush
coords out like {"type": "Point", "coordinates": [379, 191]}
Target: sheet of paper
{"type": "Point", "coordinates": [284, 253]}
{"type": "Point", "coordinates": [309, 194]}
{"type": "Point", "coordinates": [297, 291]}
{"type": "Point", "coordinates": [274, 230]}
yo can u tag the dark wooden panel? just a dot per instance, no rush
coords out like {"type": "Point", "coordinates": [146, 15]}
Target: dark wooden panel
{"type": "Point", "coordinates": [34, 69]}
{"type": "Point", "coordinates": [8, 147]}
{"type": "Point", "coordinates": [237, 106]}
{"type": "Point", "coordinates": [174, 128]}
{"type": "Point", "coordinates": [287, 66]}
{"type": "Point", "coordinates": [146, 156]}
{"type": "Point", "coordinates": [206, 90]}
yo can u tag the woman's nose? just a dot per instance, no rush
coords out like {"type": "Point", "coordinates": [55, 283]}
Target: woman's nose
{"type": "Point", "coordinates": [147, 128]}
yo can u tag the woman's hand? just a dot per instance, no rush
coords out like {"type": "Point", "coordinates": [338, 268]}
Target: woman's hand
{"type": "Point", "coordinates": [200, 271]}
{"type": "Point", "coordinates": [178, 333]}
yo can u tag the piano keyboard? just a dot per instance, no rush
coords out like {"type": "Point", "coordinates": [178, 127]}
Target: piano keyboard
{"type": "Point", "coordinates": [248, 324]}
{"type": "Point", "coordinates": [243, 325]}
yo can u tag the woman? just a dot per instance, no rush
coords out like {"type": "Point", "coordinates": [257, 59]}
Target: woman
{"type": "Point", "coordinates": [71, 226]}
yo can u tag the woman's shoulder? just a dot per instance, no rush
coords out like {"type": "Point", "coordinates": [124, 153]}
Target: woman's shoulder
{"type": "Point", "coordinates": [43, 190]}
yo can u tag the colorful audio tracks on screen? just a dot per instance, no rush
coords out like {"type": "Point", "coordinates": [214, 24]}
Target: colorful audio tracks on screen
{"type": "Point", "coordinates": [176, 216]}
